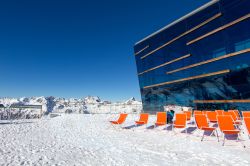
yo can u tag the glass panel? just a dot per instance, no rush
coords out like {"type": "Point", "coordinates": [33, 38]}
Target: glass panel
{"type": "Point", "coordinates": [233, 85]}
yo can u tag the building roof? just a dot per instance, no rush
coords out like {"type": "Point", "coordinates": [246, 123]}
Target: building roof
{"type": "Point", "coordinates": [179, 20]}
{"type": "Point", "coordinates": [26, 106]}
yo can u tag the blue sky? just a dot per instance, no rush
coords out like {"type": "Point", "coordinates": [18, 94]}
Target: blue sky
{"type": "Point", "coordinates": [75, 48]}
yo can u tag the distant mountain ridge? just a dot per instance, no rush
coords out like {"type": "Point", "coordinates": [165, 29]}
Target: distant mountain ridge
{"type": "Point", "coordinates": [56, 104]}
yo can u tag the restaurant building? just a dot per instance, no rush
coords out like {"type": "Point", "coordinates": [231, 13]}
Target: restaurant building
{"type": "Point", "coordinates": [201, 60]}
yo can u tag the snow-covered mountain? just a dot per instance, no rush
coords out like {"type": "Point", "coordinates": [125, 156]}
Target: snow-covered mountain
{"type": "Point", "coordinates": [132, 101]}
{"type": "Point", "coordinates": [89, 104]}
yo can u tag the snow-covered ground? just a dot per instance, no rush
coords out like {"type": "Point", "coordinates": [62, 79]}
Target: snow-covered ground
{"type": "Point", "coordinates": [80, 139]}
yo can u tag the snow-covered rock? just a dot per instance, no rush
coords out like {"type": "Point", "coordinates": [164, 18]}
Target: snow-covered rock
{"type": "Point", "coordinates": [132, 100]}
{"type": "Point", "coordinates": [92, 100]}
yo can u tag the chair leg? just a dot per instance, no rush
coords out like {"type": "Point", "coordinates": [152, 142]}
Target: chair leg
{"type": "Point", "coordinates": [157, 127]}
{"type": "Point", "coordinates": [203, 136]}
{"type": "Point", "coordinates": [224, 139]}
{"type": "Point", "coordinates": [173, 129]}
{"type": "Point", "coordinates": [238, 137]}
{"type": "Point", "coordinates": [113, 127]}
{"type": "Point", "coordinates": [217, 135]}
{"type": "Point", "coordinates": [122, 126]}
{"type": "Point", "coordinates": [212, 133]}
{"type": "Point", "coordinates": [240, 140]}
{"type": "Point", "coordinates": [116, 128]}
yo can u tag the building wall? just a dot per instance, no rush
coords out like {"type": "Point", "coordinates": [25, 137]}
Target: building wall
{"type": "Point", "coordinates": [202, 61]}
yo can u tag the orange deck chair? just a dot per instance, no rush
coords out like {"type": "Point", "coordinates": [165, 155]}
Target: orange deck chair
{"type": "Point", "coordinates": [234, 117]}
{"type": "Point", "coordinates": [202, 124]}
{"type": "Point", "coordinates": [247, 123]}
{"type": "Point", "coordinates": [189, 115]}
{"type": "Point", "coordinates": [212, 116]}
{"type": "Point", "coordinates": [237, 113]}
{"type": "Point", "coordinates": [143, 119]}
{"type": "Point", "coordinates": [197, 112]}
{"type": "Point", "coordinates": [246, 114]}
{"type": "Point", "coordinates": [120, 120]}
{"type": "Point", "coordinates": [204, 112]}
{"type": "Point", "coordinates": [180, 121]}
{"type": "Point", "coordinates": [219, 112]}
{"type": "Point", "coordinates": [161, 119]}
{"type": "Point", "coordinates": [226, 126]}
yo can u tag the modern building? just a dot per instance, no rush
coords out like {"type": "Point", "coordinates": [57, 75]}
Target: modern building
{"type": "Point", "coordinates": [201, 60]}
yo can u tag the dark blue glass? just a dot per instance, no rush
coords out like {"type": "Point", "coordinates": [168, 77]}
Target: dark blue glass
{"type": "Point", "coordinates": [232, 85]}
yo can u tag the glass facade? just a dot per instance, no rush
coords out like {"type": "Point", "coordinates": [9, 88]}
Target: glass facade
{"type": "Point", "coordinates": [202, 61]}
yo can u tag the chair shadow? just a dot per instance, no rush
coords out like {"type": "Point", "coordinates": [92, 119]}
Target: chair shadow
{"type": "Point", "coordinates": [131, 126]}
{"type": "Point", "coordinates": [15, 123]}
{"type": "Point", "coordinates": [151, 127]}
{"type": "Point", "coordinates": [208, 133]}
{"type": "Point", "coordinates": [168, 128]}
{"type": "Point", "coordinates": [231, 137]}
{"type": "Point", "coordinates": [190, 130]}
{"type": "Point", "coordinates": [215, 125]}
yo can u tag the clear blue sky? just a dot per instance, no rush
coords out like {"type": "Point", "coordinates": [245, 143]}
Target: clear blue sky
{"type": "Point", "coordinates": [75, 48]}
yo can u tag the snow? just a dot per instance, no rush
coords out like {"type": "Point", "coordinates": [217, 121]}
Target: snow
{"type": "Point", "coordinates": [88, 139]}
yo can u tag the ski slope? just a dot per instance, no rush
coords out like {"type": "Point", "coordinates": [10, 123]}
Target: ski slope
{"type": "Point", "coordinates": [78, 139]}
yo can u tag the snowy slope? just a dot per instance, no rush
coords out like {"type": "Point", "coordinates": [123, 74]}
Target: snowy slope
{"type": "Point", "coordinates": [79, 139]}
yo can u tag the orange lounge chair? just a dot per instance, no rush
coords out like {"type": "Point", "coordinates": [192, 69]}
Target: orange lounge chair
{"type": "Point", "coordinates": [120, 120]}
{"type": "Point", "coordinates": [189, 115]}
{"type": "Point", "coordinates": [219, 112]}
{"type": "Point", "coordinates": [204, 112]}
{"type": "Point", "coordinates": [143, 119]}
{"type": "Point", "coordinates": [197, 112]}
{"type": "Point", "coordinates": [161, 119]}
{"type": "Point", "coordinates": [234, 117]}
{"type": "Point", "coordinates": [247, 123]}
{"type": "Point", "coordinates": [236, 113]}
{"type": "Point", "coordinates": [246, 114]}
{"type": "Point", "coordinates": [212, 116]}
{"type": "Point", "coordinates": [202, 124]}
{"type": "Point", "coordinates": [180, 121]}
{"type": "Point", "coordinates": [226, 126]}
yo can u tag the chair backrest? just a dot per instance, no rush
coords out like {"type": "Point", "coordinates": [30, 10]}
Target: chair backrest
{"type": "Point", "coordinates": [219, 112]}
{"type": "Point", "coordinates": [144, 117]}
{"type": "Point", "coordinates": [201, 121]}
{"type": "Point", "coordinates": [189, 114]}
{"type": "Point", "coordinates": [196, 112]}
{"type": "Point", "coordinates": [180, 119]}
{"type": "Point", "coordinates": [161, 117]}
{"type": "Point", "coordinates": [246, 114]}
{"type": "Point", "coordinates": [227, 113]}
{"type": "Point", "coordinates": [237, 113]}
{"type": "Point", "coordinates": [122, 118]}
{"type": "Point", "coordinates": [233, 114]}
{"type": "Point", "coordinates": [247, 123]}
{"type": "Point", "coordinates": [212, 116]}
{"type": "Point", "coordinates": [225, 122]}
{"type": "Point", "coordinates": [204, 112]}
